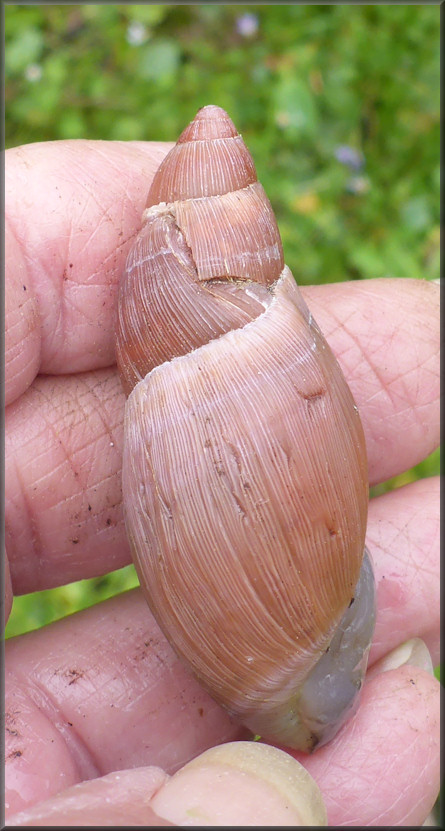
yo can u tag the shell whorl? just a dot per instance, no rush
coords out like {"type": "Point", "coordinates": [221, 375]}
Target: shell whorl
{"type": "Point", "coordinates": [210, 244]}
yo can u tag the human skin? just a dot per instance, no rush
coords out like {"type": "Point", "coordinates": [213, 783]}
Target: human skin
{"type": "Point", "coordinates": [102, 691]}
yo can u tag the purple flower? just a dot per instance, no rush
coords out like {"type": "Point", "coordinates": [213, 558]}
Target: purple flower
{"type": "Point", "coordinates": [247, 25]}
{"type": "Point", "coordinates": [349, 157]}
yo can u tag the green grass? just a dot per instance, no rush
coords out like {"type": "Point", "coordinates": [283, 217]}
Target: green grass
{"type": "Point", "coordinates": [31, 611]}
{"type": "Point", "coordinates": [308, 80]}
{"type": "Point", "coordinates": [338, 104]}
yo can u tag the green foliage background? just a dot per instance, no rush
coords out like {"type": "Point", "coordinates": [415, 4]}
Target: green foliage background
{"type": "Point", "coordinates": [300, 82]}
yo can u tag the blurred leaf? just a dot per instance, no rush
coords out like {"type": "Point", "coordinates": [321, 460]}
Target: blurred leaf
{"type": "Point", "coordinates": [127, 128]}
{"type": "Point", "coordinates": [25, 49]}
{"type": "Point", "coordinates": [71, 125]}
{"type": "Point", "coordinates": [416, 214]}
{"type": "Point", "coordinates": [367, 259]}
{"type": "Point", "coordinates": [106, 13]}
{"type": "Point", "coordinates": [151, 15]}
{"type": "Point", "coordinates": [159, 60]}
{"type": "Point", "coordinates": [295, 108]}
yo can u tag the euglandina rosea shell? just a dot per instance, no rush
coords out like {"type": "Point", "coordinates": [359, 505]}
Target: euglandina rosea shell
{"type": "Point", "coordinates": [245, 474]}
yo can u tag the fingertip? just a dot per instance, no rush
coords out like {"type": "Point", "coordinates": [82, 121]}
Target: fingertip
{"type": "Point", "coordinates": [393, 742]}
{"type": "Point", "coordinates": [241, 784]}
{"type": "Point", "coordinates": [413, 652]}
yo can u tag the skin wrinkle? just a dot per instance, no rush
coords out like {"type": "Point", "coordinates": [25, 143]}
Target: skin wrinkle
{"type": "Point", "coordinates": [382, 546]}
{"type": "Point", "coordinates": [57, 432]}
{"type": "Point", "coordinates": [46, 703]}
{"type": "Point", "coordinates": [342, 327]}
{"type": "Point", "coordinates": [104, 219]}
{"type": "Point", "coordinates": [106, 215]}
{"type": "Point", "coordinates": [38, 546]}
{"type": "Point", "coordinates": [129, 147]}
{"type": "Point", "coordinates": [425, 569]}
{"type": "Point", "coordinates": [372, 783]}
{"type": "Point", "coordinates": [19, 314]}
{"type": "Point", "coordinates": [62, 296]}
{"type": "Point", "coordinates": [419, 567]}
{"type": "Point", "coordinates": [92, 182]}
{"type": "Point", "coordinates": [92, 390]}
{"type": "Point", "coordinates": [49, 338]}
{"type": "Point", "coordinates": [404, 534]}
{"type": "Point", "coordinates": [401, 795]}
{"type": "Point", "coordinates": [9, 227]}
{"type": "Point", "coordinates": [85, 416]}
{"type": "Point", "coordinates": [410, 391]}
{"type": "Point", "coordinates": [383, 389]}
{"type": "Point", "coordinates": [106, 509]}
{"type": "Point", "coordinates": [82, 487]}
{"type": "Point", "coordinates": [27, 277]}
{"type": "Point", "coordinates": [410, 579]}
{"type": "Point", "coordinates": [363, 359]}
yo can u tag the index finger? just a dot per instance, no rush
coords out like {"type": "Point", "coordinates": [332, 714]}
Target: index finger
{"type": "Point", "coordinates": [72, 210]}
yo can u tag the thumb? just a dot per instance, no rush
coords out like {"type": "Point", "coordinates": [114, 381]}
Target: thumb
{"type": "Point", "coordinates": [234, 784]}
{"type": "Point", "coordinates": [241, 783]}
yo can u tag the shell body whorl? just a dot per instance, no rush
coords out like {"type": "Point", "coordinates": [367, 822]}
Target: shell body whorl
{"type": "Point", "coordinates": [245, 474]}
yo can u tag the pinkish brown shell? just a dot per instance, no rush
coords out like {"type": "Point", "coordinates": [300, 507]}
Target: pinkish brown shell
{"type": "Point", "coordinates": [245, 475]}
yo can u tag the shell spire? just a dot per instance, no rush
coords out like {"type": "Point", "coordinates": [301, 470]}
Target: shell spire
{"type": "Point", "coordinates": [209, 159]}
{"type": "Point", "coordinates": [207, 255]}
{"type": "Point", "coordinates": [209, 122]}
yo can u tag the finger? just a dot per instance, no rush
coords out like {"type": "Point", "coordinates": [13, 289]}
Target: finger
{"type": "Point", "coordinates": [383, 766]}
{"type": "Point", "coordinates": [404, 540]}
{"type": "Point", "coordinates": [117, 799]}
{"type": "Point", "coordinates": [401, 705]}
{"type": "Point", "coordinates": [383, 769]}
{"type": "Point", "coordinates": [22, 322]}
{"type": "Point", "coordinates": [235, 784]}
{"type": "Point", "coordinates": [385, 335]}
{"type": "Point", "coordinates": [70, 428]}
{"type": "Point", "coordinates": [100, 691]}
{"type": "Point", "coordinates": [80, 689]}
{"type": "Point", "coordinates": [73, 208]}
{"type": "Point", "coordinates": [64, 496]}
{"type": "Point", "coordinates": [242, 783]}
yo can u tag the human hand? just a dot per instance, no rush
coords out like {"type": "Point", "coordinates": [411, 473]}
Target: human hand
{"type": "Point", "coordinates": [102, 691]}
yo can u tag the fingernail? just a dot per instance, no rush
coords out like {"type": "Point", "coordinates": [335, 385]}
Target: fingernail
{"type": "Point", "coordinates": [241, 783]}
{"type": "Point", "coordinates": [413, 652]}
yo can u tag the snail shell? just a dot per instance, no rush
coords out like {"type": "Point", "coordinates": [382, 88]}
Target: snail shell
{"type": "Point", "coordinates": [244, 472]}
